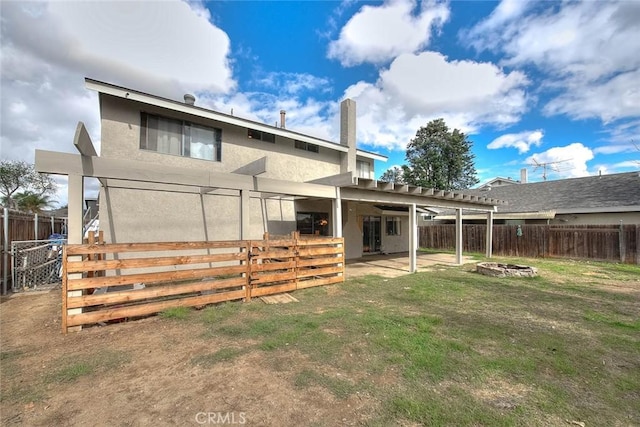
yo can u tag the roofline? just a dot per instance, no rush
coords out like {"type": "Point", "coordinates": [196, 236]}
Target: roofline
{"type": "Point", "coordinates": [134, 95]}
{"type": "Point", "coordinates": [505, 215]}
{"type": "Point", "coordinates": [513, 181]}
{"type": "Point", "coordinates": [370, 155]}
{"type": "Point", "coordinates": [603, 209]}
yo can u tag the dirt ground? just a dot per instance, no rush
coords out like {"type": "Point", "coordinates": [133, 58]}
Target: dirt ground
{"type": "Point", "coordinates": [159, 384]}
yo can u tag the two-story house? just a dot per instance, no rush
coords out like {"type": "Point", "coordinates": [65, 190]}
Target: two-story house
{"type": "Point", "coordinates": [174, 171]}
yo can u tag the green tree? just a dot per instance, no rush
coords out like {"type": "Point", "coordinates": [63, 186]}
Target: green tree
{"type": "Point", "coordinates": [440, 158]}
{"type": "Point", "coordinates": [16, 176]}
{"type": "Point", "coordinates": [394, 174]}
{"type": "Point", "coordinates": [28, 201]}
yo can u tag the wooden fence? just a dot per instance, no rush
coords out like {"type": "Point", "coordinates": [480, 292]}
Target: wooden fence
{"type": "Point", "coordinates": [620, 243]}
{"type": "Point", "coordinates": [22, 226]}
{"type": "Point", "coordinates": [163, 275]}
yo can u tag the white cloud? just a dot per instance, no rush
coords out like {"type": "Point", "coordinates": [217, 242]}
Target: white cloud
{"type": "Point", "coordinates": [48, 48]}
{"type": "Point", "coordinates": [628, 164]}
{"type": "Point", "coordinates": [587, 50]}
{"type": "Point", "coordinates": [569, 161]}
{"type": "Point", "coordinates": [294, 83]}
{"type": "Point", "coordinates": [616, 148]}
{"type": "Point", "coordinates": [377, 34]}
{"type": "Point", "coordinates": [418, 88]}
{"type": "Point", "coordinates": [614, 99]}
{"type": "Point", "coordinates": [522, 140]}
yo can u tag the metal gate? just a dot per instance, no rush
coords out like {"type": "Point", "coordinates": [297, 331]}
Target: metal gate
{"type": "Point", "coordinates": [36, 263]}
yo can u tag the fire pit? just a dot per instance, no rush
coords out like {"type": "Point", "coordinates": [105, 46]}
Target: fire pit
{"type": "Point", "coordinates": [505, 270]}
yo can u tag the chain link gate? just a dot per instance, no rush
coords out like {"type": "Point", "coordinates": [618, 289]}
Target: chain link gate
{"type": "Point", "coordinates": [36, 263]}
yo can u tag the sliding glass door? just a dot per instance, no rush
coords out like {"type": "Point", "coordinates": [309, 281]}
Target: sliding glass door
{"type": "Point", "coordinates": [371, 235]}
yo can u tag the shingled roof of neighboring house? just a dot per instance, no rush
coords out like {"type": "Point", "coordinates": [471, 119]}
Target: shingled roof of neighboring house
{"type": "Point", "coordinates": [605, 193]}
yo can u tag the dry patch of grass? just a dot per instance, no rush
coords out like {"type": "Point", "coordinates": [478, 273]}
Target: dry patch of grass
{"type": "Point", "coordinates": [444, 347]}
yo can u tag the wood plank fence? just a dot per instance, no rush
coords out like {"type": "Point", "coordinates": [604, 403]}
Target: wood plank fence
{"type": "Point", "coordinates": [106, 282]}
{"type": "Point", "coordinates": [619, 243]}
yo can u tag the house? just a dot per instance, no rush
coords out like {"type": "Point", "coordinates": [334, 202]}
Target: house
{"type": "Point", "coordinates": [602, 199]}
{"type": "Point", "coordinates": [497, 182]}
{"type": "Point", "coordinates": [175, 171]}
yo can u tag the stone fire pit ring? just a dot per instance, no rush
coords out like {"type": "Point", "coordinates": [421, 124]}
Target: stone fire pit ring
{"type": "Point", "coordinates": [496, 269]}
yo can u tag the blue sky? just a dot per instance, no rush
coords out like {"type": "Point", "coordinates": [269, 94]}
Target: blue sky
{"type": "Point", "coordinates": [527, 81]}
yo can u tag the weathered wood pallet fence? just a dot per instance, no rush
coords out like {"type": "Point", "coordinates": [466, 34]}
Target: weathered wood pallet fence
{"type": "Point", "coordinates": [106, 282]}
{"type": "Point", "coordinates": [619, 243]}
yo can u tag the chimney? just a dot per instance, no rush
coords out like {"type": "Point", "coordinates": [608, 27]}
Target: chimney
{"type": "Point", "coordinates": [283, 121]}
{"type": "Point", "coordinates": [348, 135]}
{"type": "Point", "coordinates": [189, 99]}
{"type": "Point", "coordinates": [523, 176]}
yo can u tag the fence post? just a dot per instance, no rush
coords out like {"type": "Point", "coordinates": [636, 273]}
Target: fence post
{"type": "Point", "coordinates": [5, 251]}
{"type": "Point", "coordinates": [247, 284]}
{"type": "Point", "coordinates": [637, 244]}
{"type": "Point", "coordinates": [35, 228]}
{"type": "Point", "coordinates": [621, 240]}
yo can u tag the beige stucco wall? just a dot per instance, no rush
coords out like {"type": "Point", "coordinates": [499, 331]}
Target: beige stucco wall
{"type": "Point", "coordinates": [121, 139]}
{"type": "Point", "coordinates": [129, 215]}
{"type": "Point", "coordinates": [393, 244]}
{"type": "Point", "coordinates": [351, 230]}
{"type": "Point", "coordinates": [352, 214]}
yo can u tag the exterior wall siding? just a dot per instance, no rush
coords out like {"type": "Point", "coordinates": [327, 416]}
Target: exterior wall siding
{"type": "Point", "coordinates": [130, 215]}
{"type": "Point", "coordinates": [121, 139]}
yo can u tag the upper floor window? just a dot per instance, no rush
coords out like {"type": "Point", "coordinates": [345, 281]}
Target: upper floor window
{"type": "Point", "coordinates": [301, 145]}
{"type": "Point", "coordinates": [262, 136]}
{"type": "Point", "coordinates": [180, 138]}
{"type": "Point", "coordinates": [363, 169]}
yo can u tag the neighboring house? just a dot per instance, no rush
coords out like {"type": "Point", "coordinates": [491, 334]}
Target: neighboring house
{"type": "Point", "coordinates": [174, 171]}
{"type": "Point", "coordinates": [603, 199]}
{"type": "Point", "coordinates": [497, 182]}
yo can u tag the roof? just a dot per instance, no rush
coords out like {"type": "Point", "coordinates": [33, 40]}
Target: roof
{"type": "Point", "coordinates": [134, 95]}
{"type": "Point", "coordinates": [606, 193]}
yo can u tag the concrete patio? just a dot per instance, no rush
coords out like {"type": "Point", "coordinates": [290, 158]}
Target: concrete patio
{"type": "Point", "coordinates": [395, 265]}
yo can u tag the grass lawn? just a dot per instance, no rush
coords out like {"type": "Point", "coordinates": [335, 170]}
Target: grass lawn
{"type": "Point", "coordinates": [451, 347]}
{"type": "Point", "coordinates": [442, 347]}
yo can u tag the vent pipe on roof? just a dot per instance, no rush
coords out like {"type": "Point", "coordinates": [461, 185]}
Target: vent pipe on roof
{"type": "Point", "coordinates": [283, 121]}
{"type": "Point", "coordinates": [523, 176]}
{"type": "Point", "coordinates": [189, 99]}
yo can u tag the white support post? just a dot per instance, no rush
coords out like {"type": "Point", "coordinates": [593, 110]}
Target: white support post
{"type": "Point", "coordinates": [75, 235]}
{"type": "Point", "coordinates": [337, 214]}
{"type": "Point", "coordinates": [489, 234]}
{"type": "Point", "coordinates": [459, 236]}
{"type": "Point", "coordinates": [413, 239]}
{"type": "Point", "coordinates": [35, 226]}
{"type": "Point", "coordinates": [53, 225]}
{"type": "Point", "coordinates": [244, 214]}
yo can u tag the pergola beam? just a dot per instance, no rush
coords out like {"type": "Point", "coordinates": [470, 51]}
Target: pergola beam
{"type": "Point", "coordinates": [257, 167]}
{"type": "Point", "coordinates": [378, 197]}
{"type": "Point", "coordinates": [84, 145]}
{"type": "Point", "coordinates": [139, 171]}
